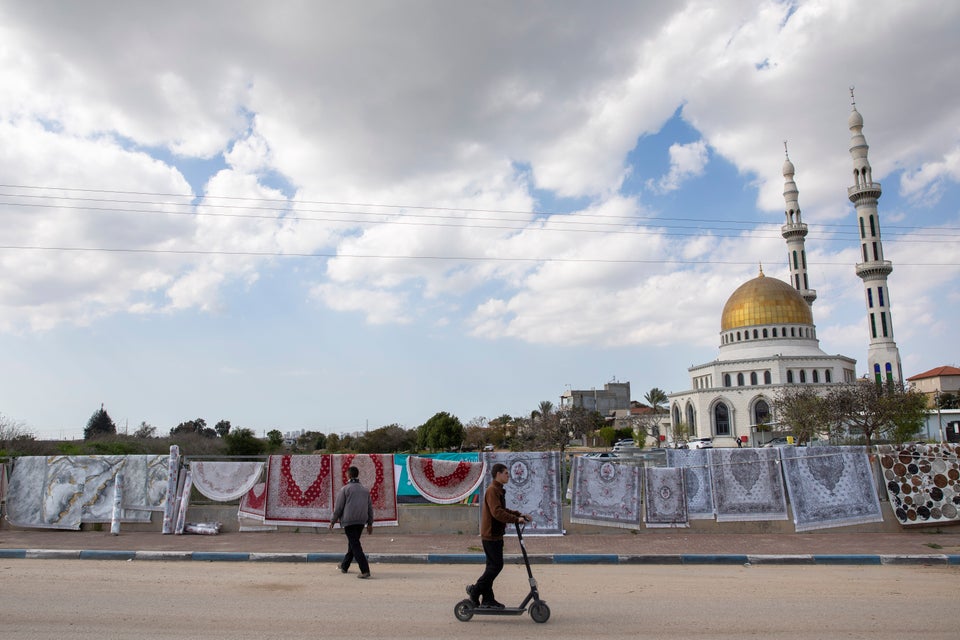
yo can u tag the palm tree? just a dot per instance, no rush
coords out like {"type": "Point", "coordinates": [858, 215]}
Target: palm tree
{"type": "Point", "coordinates": [656, 398]}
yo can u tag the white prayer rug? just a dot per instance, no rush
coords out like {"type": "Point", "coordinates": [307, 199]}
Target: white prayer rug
{"type": "Point", "coordinates": [534, 488]}
{"type": "Point", "coordinates": [830, 486]}
{"type": "Point", "coordinates": [664, 501]}
{"type": "Point", "coordinates": [748, 485]}
{"type": "Point", "coordinates": [605, 493]}
{"type": "Point", "coordinates": [444, 481]}
{"type": "Point", "coordinates": [224, 481]}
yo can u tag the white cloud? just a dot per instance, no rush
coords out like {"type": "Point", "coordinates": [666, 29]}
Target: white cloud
{"type": "Point", "coordinates": [686, 161]}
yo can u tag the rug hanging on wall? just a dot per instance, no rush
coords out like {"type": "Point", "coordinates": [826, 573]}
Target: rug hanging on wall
{"type": "Point", "coordinates": [298, 490]}
{"type": "Point", "coordinates": [444, 481]}
{"type": "Point", "coordinates": [45, 492]}
{"type": "Point", "coordinates": [605, 493]}
{"type": "Point", "coordinates": [145, 482]}
{"type": "Point", "coordinates": [748, 485]}
{"type": "Point", "coordinates": [830, 486]}
{"type": "Point", "coordinates": [697, 480]}
{"type": "Point", "coordinates": [922, 481]}
{"type": "Point", "coordinates": [224, 481]}
{"type": "Point", "coordinates": [376, 474]}
{"type": "Point", "coordinates": [534, 488]}
{"type": "Point", "coordinates": [664, 500]}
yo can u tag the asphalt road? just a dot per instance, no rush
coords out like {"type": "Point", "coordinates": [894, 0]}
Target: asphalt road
{"type": "Point", "coordinates": [162, 599]}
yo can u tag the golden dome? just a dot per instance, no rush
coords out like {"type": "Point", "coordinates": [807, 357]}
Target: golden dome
{"type": "Point", "coordinates": [765, 301]}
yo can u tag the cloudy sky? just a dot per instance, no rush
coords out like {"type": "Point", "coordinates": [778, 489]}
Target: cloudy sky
{"type": "Point", "coordinates": [337, 216]}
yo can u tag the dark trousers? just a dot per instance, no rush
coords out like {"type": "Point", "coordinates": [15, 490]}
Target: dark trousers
{"type": "Point", "coordinates": [493, 549]}
{"type": "Point", "coordinates": [354, 549]}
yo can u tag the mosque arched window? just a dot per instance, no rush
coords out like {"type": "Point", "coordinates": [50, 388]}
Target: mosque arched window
{"type": "Point", "coordinates": [721, 420]}
{"type": "Point", "coordinates": [692, 420]}
{"type": "Point", "coordinates": [803, 376]}
{"type": "Point", "coordinates": [789, 376]}
{"type": "Point", "coordinates": [739, 379]}
{"type": "Point", "coordinates": [753, 378]}
{"type": "Point", "coordinates": [761, 412]}
{"type": "Point", "coordinates": [726, 379]}
{"type": "Point", "coordinates": [766, 377]}
{"type": "Point", "coordinates": [765, 333]}
{"type": "Point", "coordinates": [816, 376]}
{"type": "Point", "coordinates": [827, 377]}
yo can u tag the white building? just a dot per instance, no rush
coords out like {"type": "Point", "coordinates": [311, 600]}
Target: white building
{"type": "Point", "coordinates": [768, 338]}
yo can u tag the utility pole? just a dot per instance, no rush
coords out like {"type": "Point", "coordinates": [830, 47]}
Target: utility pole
{"type": "Point", "coordinates": [939, 415]}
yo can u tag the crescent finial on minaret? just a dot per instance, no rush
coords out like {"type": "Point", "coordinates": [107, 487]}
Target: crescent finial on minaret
{"type": "Point", "coordinates": [853, 101]}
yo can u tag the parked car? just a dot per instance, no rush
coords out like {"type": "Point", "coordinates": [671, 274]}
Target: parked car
{"type": "Point", "coordinates": [622, 444]}
{"type": "Point", "coordinates": [601, 454]}
{"type": "Point", "coordinates": [488, 447]}
{"type": "Point", "coordinates": [778, 442]}
{"type": "Point", "coordinates": [699, 443]}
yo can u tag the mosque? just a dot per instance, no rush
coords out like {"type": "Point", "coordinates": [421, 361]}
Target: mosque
{"type": "Point", "coordinates": [768, 338]}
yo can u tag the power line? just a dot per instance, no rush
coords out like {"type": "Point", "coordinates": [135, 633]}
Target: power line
{"type": "Point", "coordinates": [360, 256]}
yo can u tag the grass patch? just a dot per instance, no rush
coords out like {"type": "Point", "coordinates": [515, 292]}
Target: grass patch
{"type": "Point", "coordinates": [474, 548]}
{"type": "Point", "coordinates": [933, 545]}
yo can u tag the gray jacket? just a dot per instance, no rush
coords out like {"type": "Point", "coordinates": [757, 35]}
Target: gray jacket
{"type": "Point", "coordinates": [354, 505]}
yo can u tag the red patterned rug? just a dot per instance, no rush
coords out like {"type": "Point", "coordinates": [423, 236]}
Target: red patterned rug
{"type": "Point", "coordinates": [376, 474]}
{"type": "Point", "coordinates": [298, 490]}
{"type": "Point", "coordinates": [444, 481]}
{"type": "Point", "coordinates": [253, 502]}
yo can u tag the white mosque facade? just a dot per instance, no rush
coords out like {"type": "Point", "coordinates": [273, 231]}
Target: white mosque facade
{"type": "Point", "coordinates": [768, 339]}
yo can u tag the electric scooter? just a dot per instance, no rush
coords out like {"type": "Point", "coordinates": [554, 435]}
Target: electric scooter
{"type": "Point", "coordinates": [539, 611]}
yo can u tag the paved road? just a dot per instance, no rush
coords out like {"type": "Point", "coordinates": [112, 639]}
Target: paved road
{"type": "Point", "coordinates": [162, 599]}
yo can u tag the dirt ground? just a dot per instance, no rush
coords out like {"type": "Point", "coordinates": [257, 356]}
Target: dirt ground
{"type": "Point", "coordinates": [160, 599]}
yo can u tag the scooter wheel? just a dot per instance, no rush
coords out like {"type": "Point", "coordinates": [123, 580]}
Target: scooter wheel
{"type": "Point", "coordinates": [539, 611]}
{"type": "Point", "coordinates": [464, 610]}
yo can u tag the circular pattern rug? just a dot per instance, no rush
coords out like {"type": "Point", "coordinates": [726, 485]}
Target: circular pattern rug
{"type": "Point", "coordinates": [444, 481]}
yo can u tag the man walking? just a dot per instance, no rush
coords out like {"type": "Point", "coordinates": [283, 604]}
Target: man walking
{"type": "Point", "coordinates": [353, 510]}
{"type": "Point", "coordinates": [493, 523]}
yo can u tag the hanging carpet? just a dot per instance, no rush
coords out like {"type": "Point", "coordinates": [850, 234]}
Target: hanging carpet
{"type": "Point", "coordinates": [748, 485]}
{"type": "Point", "coordinates": [444, 481]}
{"type": "Point", "coordinates": [830, 486]}
{"type": "Point", "coordinates": [664, 500]}
{"type": "Point", "coordinates": [534, 488]}
{"type": "Point", "coordinates": [298, 490]}
{"type": "Point", "coordinates": [45, 492]}
{"type": "Point", "coordinates": [697, 480]}
{"type": "Point", "coordinates": [224, 481]}
{"type": "Point", "coordinates": [377, 475]}
{"type": "Point", "coordinates": [605, 493]}
{"type": "Point", "coordinates": [922, 481]}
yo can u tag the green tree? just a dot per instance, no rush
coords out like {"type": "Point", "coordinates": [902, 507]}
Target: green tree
{"type": "Point", "coordinates": [243, 442]}
{"type": "Point", "coordinates": [441, 432]}
{"type": "Point", "coordinates": [805, 413]}
{"type": "Point", "coordinates": [608, 435]}
{"type": "Point", "coordinates": [389, 439]}
{"type": "Point", "coordinates": [275, 439]}
{"type": "Point", "coordinates": [145, 431]}
{"type": "Point", "coordinates": [198, 426]}
{"type": "Point", "coordinates": [877, 411]}
{"type": "Point", "coordinates": [333, 443]}
{"type": "Point", "coordinates": [222, 428]}
{"type": "Point", "coordinates": [656, 398]}
{"type": "Point", "coordinates": [99, 424]}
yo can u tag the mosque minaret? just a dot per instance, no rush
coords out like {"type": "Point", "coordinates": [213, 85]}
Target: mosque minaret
{"type": "Point", "coordinates": [794, 231]}
{"type": "Point", "coordinates": [883, 357]}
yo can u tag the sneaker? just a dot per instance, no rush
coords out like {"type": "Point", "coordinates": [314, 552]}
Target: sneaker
{"type": "Point", "coordinates": [474, 596]}
{"type": "Point", "coordinates": [493, 604]}
{"type": "Point", "coordinates": [364, 576]}
{"type": "Point", "coordinates": [342, 568]}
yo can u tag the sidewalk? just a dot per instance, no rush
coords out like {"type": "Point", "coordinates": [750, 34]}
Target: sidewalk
{"type": "Point", "coordinates": [929, 546]}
